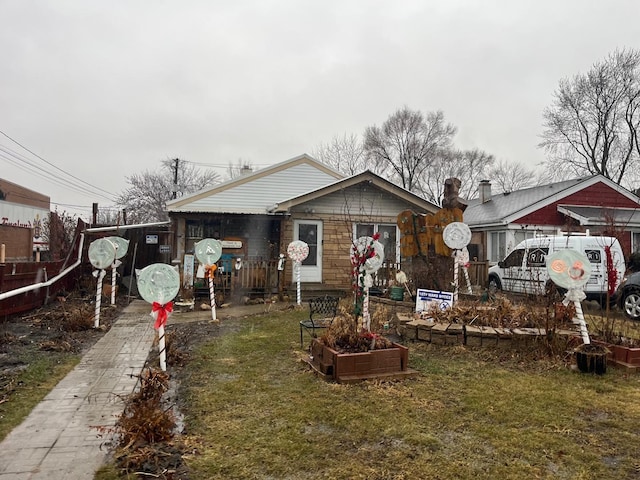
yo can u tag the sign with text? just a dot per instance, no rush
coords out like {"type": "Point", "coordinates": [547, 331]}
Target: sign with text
{"type": "Point", "coordinates": [426, 299]}
{"type": "Point", "coordinates": [152, 239]}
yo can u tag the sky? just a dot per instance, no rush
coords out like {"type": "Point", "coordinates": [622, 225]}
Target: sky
{"type": "Point", "coordinates": [95, 91]}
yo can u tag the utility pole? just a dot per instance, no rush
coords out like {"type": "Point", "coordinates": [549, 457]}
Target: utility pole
{"type": "Point", "coordinates": [175, 179]}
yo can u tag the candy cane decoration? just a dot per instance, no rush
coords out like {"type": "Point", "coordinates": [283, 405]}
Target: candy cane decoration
{"type": "Point", "coordinates": [96, 317]}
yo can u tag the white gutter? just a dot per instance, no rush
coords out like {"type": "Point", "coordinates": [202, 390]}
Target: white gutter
{"type": "Point", "coordinates": [37, 286]}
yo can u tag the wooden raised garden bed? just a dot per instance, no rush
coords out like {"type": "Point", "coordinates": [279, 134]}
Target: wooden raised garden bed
{"type": "Point", "coordinates": [389, 363]}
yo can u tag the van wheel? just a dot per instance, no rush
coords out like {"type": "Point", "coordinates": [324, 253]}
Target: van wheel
{"type": "Point", "coordinates": [631, 304]}
{"type": "Point", "coordinates": [494, 284]}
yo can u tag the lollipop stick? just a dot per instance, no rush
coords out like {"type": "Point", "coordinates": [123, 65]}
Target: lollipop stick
{"type": "Point", "coordinates": [456, 266]}
{"type": "Point", "coordinates": [299, 297]}
{"type": "Point", "coordinates": [212, 297]}
{"type": "Point", "coordinates": [365, 310]}
{"type": "Point", "coordinates": [162, 349]}
{"type": "Point", "coordinates": [96, 317]}
{"type": "Point", "coordinates": [113, 284]}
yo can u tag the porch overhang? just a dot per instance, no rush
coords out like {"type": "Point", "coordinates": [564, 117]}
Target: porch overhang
{"type": "Point", "coordinates": [602, 216]}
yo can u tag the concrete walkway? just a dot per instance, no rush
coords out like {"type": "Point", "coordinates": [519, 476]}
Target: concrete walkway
{"type": "Point", "coordinates": [58, 440]}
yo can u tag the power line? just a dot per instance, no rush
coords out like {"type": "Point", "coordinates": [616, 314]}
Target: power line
{"type": "Point", "coordinates": [25, 164]}
{"type": "Point", "coordinates": [56, 167]}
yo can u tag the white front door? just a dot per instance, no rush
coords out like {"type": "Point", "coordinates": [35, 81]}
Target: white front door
{"type": "Point", "coordinates": [310, 232]}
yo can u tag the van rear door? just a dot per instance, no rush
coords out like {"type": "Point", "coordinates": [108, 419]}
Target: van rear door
{"type": "Point", "coordinates": [512, 271]}
{"type": "Point", "coordinates": [535, 274]}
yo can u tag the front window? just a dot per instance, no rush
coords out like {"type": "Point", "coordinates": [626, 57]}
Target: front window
{"type": "Point", "coordinates": [636, 242]}
{"type": "Point", "coordinates": [498, 246]}
{"type": "Point", "coordinates": [388, 236]}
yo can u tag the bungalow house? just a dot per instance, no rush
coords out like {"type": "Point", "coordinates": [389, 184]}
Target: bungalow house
{"type": "Point", "coordinates": [594, 204]}
{"type": "Point", "coordinates": [258, 214]}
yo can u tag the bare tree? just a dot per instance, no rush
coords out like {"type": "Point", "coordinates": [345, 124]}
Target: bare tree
{"type": "Point", "coordinates": [343, 153]}
{"type": "Point", "coordinates": [239, 168]}
{"type": "Point", "coordinates": [470, 166]}
{"type": "Point", "coordinates": [592, 124]}
{"type": "Point", "coordinates": [407, 144]}
{"type": "Point", "coordinates": [58, 231]}
{"type": "Point", "coordinates": [511, 176]}
{"type": "Point", "coordinates": [148, 192]}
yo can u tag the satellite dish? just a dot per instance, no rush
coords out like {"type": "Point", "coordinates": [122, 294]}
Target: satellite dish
{"type": "Point", "coordinates": [372, 264]}
{"type": "Point", "coordinates": [569, 268]}
{"type": "Point", "coordinates": [158, 282]}
{"type": "Point", "coordinates": [456, 235]}
{"type": "Point", "coordinates": [208, 251]}
{"type": "Point", "coordinates": [101, 253]}
{"type": "Point", "coordinates": [121, 244]}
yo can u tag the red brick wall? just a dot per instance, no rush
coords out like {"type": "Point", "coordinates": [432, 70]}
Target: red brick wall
{"type": "Point", "coordinates": [18, 242]}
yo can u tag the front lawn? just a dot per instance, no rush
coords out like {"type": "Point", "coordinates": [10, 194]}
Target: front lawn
{"type": "Point", "coordinates": [254, 410]}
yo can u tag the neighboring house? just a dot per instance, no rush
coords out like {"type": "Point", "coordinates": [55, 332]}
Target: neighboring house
{"type": "Point", "coordinates": [22, 213]}
{"type": "Point", "coordinates": [594, 204]}
{"type": "Point", "coordinates": [257, 215]}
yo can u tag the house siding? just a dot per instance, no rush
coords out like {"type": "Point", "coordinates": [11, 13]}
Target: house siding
{"type": "Point", "coordinates": [362, 200]}
{"type": "Point", "coordinates": [257, 195]}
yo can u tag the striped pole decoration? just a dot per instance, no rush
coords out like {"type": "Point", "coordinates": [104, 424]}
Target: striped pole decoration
{"type": "Point", "coordinates": [96, 317]}
{"type": "Point", "coordinates": [299, 296]}
{"type": "Point", "coordinates": [113, 284]}
{"type": "Point", "coordinates": [212, 296]}
{"type": "Point", "coordinates": [456, 267]}
{"type": "Point", "coordinates": [162, 349]}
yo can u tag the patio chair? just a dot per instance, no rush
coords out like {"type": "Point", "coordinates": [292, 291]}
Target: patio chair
{"type": "Point", "coordinates": [322, 311]}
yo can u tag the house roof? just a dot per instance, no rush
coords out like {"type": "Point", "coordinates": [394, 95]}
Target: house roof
{"type": "Point", "coordinates": [504, 208]}
{"type": "Point", "coordinates": [257, 192]}
{"type": "Point", "coordinates": [366, 176]}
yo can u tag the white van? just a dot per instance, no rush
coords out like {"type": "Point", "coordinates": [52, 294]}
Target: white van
{"type": "Point", "coordinates": [524, 269]}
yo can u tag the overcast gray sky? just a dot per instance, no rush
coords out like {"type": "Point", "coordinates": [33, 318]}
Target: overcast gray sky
{"type": "Point", "coordinates": [105, 89]}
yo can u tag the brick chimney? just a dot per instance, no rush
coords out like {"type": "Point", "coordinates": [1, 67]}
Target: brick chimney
{"type": "Point", "coordinates": [485, 191]}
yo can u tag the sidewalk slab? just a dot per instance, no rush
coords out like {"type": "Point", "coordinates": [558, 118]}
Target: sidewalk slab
{"type": "Point", "coordinates": [59, 438]}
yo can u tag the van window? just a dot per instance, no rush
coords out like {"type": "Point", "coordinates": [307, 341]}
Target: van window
{"type": "Point", "coordinates": [514, 259]}
{"type": "Point", "coordinates": [594, 256]}
{"type": "Point", "coordinates": [536, 257]}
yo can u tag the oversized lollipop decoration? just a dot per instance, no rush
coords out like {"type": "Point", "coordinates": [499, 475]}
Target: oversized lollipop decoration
{"type": "Point", "coordinates": [298, 251]}
{"type": "Point", "coordinates": [122, 245]}
{"type": "Point", "coordinates": [457, 236]}
{"type": "Point", "coordinates": [571, 269]}
{"type": "Point", "coordinates": [158, 285]}
{"type": "Point", "coordinates": [101, 253]}
{"type": "Point", "coordinates": [208, 251]}
{"type": "Point", "coordinates": [367, 256]}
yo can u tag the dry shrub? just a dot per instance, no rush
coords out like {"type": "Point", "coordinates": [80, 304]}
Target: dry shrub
{"type": "Point", "coordinates": [146, 427]}
{"type": "Point", "coordinates": [347, 336]}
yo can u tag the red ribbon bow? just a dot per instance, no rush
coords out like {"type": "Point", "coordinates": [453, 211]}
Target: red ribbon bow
{"type": "Point", "coordinates": [163, 313]}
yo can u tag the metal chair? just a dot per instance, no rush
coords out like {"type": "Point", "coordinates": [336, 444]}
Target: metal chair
{"type": "Point", "coordinates": [322, 311]}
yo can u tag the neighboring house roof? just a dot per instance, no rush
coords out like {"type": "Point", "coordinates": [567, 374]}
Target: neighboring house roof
{"type": "Point", "coordinates": [367, 176]}
{"type": "Point", "coordinates": [629, 217]}
{"type": "Point", "coordinates": [505, 208]}
{"type": "Point", "coordinates": [256, 192]}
